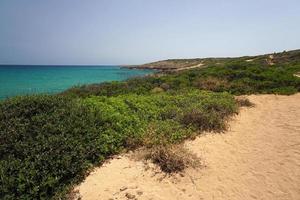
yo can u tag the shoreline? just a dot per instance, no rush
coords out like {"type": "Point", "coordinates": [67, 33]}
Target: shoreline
{"type": "Point", "coordinates": [19, 86]}
{"type": "Point", "coordinates": [171, 65]}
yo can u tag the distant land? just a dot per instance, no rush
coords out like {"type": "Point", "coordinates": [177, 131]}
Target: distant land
{"type": "Point", "coordinates": [170, 65]}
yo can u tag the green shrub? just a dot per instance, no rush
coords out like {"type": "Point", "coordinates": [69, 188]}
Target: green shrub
{"type": "Point", "coordinates": [235, 76]}
{"type": "Point", "coordinates": [204, 121]}
{"type": "Point", "coordinates": [211, 83]}
{"type": "Point", "coordinates": [49, 142]}
{"type": "Point", "coordinates": [157, 90]}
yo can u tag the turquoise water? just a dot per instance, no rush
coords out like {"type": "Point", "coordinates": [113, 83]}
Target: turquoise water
{"type": "Point", "coordinates": [22, 80]}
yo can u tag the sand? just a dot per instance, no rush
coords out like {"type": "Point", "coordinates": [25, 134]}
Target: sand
{"type": "Point", "coordinates": [191, 67]}
{"type": "Point", "coordinates": [257, 158]}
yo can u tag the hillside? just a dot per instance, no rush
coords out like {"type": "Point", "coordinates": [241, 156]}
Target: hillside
{"type": "Point", "coordinates": [181, 64]}
{"type": "Point", "coordinates": [270, 73]}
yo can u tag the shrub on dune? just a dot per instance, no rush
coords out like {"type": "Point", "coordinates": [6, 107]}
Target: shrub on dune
{"type": "Point", "coordinates": [49, 142]}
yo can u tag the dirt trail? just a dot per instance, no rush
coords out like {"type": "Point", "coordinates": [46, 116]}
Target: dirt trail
{"type": "Point", "coordinates": [258, 158]}
{"type": "Point", "coordinates": [191, 67]}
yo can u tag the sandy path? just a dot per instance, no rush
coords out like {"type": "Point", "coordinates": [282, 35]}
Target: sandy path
{"type": "Point", "coordinates": [258, 158]}
{"type": "Point", "coordinates": [191, 67]}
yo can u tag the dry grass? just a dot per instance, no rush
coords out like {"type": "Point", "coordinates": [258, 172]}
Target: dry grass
{"type": "Point", "coordinates": [211, 83]}
{"type": "Point", "coordinates": [244, 102]}
{"type": "Point", "coordinates": [73, 195]}
{"type": "Point", "coordinates": [203, 121]}
{"type": "Point", "coordinates": [172, 158]}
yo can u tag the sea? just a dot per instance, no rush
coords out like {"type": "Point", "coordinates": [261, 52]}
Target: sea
{"type": "Point", "coordinates": [16, 80]}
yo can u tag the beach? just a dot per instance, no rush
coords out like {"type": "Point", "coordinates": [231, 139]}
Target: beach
{"type": "Point", "coordinates": [257, 158]}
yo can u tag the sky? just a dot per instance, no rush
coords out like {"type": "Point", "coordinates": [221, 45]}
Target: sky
{"type": "Point", "coordinates": [95, 32]}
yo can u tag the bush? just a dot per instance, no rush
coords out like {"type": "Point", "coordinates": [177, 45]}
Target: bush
{"type": "Point", "coordinates": [172, 159]}
{"type": "Point", "coordinates": [165, 86]}
{"type": "Point", "coordinates": [157, 90]}
{"type": "Point", "coordinates": [165, 132]}
{"type": "Point", "coordinates": [235, 76]}
{"type": "Point", "coordinates": [204, 121]}
{"type": "Point", "coordinates": [49, 142]}
{"type": "Point", "coordinates": [244, 102]}
{"type": "Point", "coordinates": [211, 83]}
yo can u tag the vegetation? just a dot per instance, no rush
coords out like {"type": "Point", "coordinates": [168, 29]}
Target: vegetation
{"type": "Point", "coordinates": [172, 158]}
{"type": "Point", "coordinates": [48, 143]}
{"type": "Point", "coordinates": [246, 75]}
{"type": "Point", "coordinates": [244, 102]}
{"type": "Point", "coordinates": [169, 65]}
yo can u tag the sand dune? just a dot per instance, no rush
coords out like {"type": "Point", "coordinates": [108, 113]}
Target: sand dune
{"type": "Point", "coordinates": [258, 158]}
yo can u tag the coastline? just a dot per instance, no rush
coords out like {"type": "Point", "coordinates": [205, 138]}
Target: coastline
{"type": "Point", "coordinates": [88, 124]}
{"type": "Point", "coordinates": [171, 65]}
{"type": "Point", "coordinates": [20, 80]}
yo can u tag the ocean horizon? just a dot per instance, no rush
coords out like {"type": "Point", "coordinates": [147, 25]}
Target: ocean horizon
{"type": "Point", "coordinates": [16, 80]}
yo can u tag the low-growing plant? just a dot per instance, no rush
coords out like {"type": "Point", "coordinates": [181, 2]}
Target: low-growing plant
{"type": "Point", "coordinates": [212, 84]}
{"type": "Point", "coordinates": [165, 132]}
{"type": "Point", "coordinates": [244, 102]}
{"type": "Point", "coordinates": [165, 86]}
{"type": "Point", "coordinates": [172, 159]}
{"type": "Point", "coordinates": [204, 121]}
{"type": "Point", "coordinates": [233, 75]}
{"type": "Point", "coordinates": [157, 90]}
{"type": "Point", "coordinates": [47, 143]}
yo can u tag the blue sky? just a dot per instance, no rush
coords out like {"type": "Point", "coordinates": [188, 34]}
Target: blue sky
{"type": "Point", "coordinates": [139, 31]}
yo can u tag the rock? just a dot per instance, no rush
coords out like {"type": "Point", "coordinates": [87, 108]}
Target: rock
{"type": "Point", "coordinates": [130, 196]}
{"type": "Point", "coordinates": [123, 188]}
